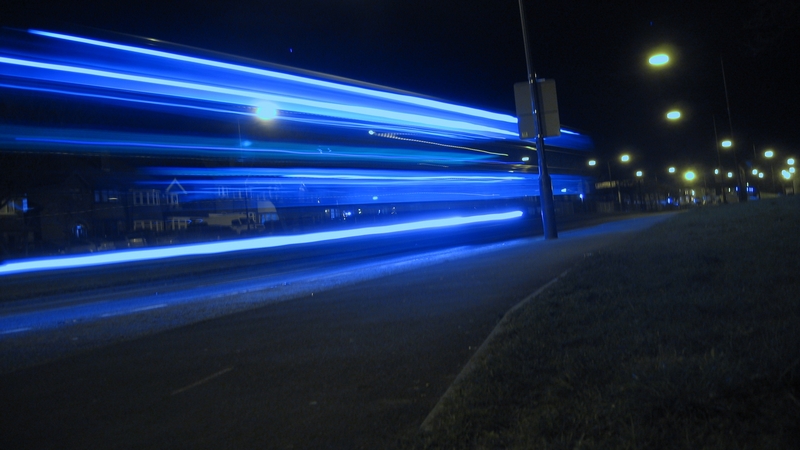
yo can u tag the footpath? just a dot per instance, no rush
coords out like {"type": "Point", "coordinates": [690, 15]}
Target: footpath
{"type": "Point", "coordinates": [686, 336]}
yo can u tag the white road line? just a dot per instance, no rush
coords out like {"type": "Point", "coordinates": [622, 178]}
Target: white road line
{"type": "Point", "coordinates": [15, 330]}
{"type": "Point", "coordinates": [204, 380]}
{"type": "Point", "coordinates": [130, 311]}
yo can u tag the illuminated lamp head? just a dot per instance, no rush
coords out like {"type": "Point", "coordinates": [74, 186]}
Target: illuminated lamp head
{"type": "Point", "coordinates": [267, 112]}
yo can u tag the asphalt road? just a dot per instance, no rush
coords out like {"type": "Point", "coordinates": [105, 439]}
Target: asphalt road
{"type": "Point", "coordinates": [356, 365]}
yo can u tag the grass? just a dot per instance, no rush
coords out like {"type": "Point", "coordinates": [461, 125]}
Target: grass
{"type": "Point", "coordinates": [688, 336]}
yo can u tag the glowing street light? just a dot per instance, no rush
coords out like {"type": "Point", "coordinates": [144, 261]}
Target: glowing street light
{"type": "Point", "coordinates": [659, 59]}
{"type": "Point", "coordinates": [625, 158]}
{"type": "Point", "coordinates": [790, 161]}
{"type": "Point", "coordinates": [769, 154]}
{"type": "Point", "coordinates": [674, 115]}
{"type": "Point", "coordinates": [671, 170]}
{"type": "Point", "coordinates": [689, 175]}
{"type": "Point", "coordinates": [726, 143]}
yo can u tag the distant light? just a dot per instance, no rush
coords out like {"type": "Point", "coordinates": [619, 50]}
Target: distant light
{"type": "Point", "coordinates": [592, 162]}
{"type": "Point", "coordinates": [790, 161]}
{"type": "Point", "coordinates": [716, 171]}
{"type": "Point", "coordinates": [638, 173]}
{"type": "Point", "coordinates": [755, 171]}
{"type": "Point", "coordinates": [769, 154]}
{"type": "Point", "coordinates": [525, 159]}
{"type": "Point", "coordinates": [564, 190]}
{"type": "Point", "coordinates": [730, 174]}
{"type": "Point", "coordinates": [674, 115]}
{"type": "Point", "coordinates": [148, 254]}
{"type": "Point", "coordinates": [791, 169]}
{"type": "Point", "coordinates": [726, 143]}
{"type": "Point", "coordinates": [374, 197]}
{"type": "Point", "coordinates": [267, 112]}
{"type": "Point", "coordinates": [671, 170]}
{"type": "Point", "coordinates": [659, 59]}
{"type": "Point", "coordinates": [786, 174]}
{"type": "Point", "coordinates": [689, 175]}
{"type": "Point", "coordinates": [625, 158]}
{"type": "Point", "coordinates": [761, 175]}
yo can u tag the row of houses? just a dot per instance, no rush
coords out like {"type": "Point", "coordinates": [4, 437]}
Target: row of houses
{"type": "Point", "coordinates": [89, 211]}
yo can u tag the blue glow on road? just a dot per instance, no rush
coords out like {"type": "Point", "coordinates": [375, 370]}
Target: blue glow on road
{"type": "Point", "coordinates": [129, 256]}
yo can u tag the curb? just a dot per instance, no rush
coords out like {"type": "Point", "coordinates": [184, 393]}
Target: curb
{"type": "Point", "coordinates": [480, 353]}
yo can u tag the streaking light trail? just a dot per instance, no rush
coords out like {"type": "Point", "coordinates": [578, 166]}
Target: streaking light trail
{"type": "Point", "coordinates": [72, 262]}
{"type": "Point", "coordinates": [57, 62]}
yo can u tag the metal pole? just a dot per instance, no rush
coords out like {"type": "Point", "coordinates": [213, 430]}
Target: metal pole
{"type": "Point", "coordinates": [739, 172]}
{"type": "Point", "coordinates": [719, 163]}
{"type": "Point", "coordinates": [545, 184]}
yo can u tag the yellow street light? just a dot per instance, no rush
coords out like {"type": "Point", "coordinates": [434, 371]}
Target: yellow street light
{"type": "Point", "coordinates": [689, 175]}
{"type": "Point", "coordinates": [659, 59]}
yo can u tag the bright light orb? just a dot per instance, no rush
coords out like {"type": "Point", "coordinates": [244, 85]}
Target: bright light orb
{"type": "Point", "coordinates": [790, 161]}
{"type": "Point", "coordinates": [659, 59]}
{"type": "Point", "coordinates": [671, 170]}
{"type": "Point", "coordinates": [786, 174]}
{"type": "Point", "coordinates": [755, 171]}
{"type": "Point", "coordinates": [267, 112]}
{"type": "Point", "coordinates": [592, 162]}
{"type": "Point", "coordinates": [726, 143]}
{"type": "Point", "coordinates": [689, 175]}
{"type": "Point", "coordinates": [730, 174]}
{"type": "Point", "coordinates": [674, 115]}
{"type": "Point", "coordinates": [639, 173]}
{"type": "Point", "coordinates": [769, 154]}
{"type": "Point", "coordinates": [625, 158]}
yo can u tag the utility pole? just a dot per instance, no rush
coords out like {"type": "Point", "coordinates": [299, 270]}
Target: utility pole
{"type": "Point", "coordinates": [545, 183]}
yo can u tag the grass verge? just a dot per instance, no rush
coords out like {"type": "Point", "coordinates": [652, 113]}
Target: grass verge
{"type": "Point", "coordinates": [688, 336]}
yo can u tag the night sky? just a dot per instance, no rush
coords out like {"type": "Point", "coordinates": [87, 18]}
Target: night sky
{"type": "Point", "coordinates": [471, 52]}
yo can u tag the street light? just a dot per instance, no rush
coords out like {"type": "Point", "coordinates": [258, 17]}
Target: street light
{"type": "Point", "coordinates": [623, 158]}
{"type": "Point", "coordinates": [659, 59]}
{"type": "Point", "coordinates": [674, 115]}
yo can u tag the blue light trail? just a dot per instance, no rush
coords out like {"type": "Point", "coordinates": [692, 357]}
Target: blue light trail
{"type": "Point", "coordinates": [128, 256]}
{"type": "Point", "coordinates": [73, 64]}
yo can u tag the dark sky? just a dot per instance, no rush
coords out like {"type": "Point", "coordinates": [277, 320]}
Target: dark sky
{"type": "Point", "coordinates": [471, 52]}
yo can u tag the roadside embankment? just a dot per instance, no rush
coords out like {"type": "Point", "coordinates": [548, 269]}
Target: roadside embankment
{"type": "Point", "coordinates": [687, 336]}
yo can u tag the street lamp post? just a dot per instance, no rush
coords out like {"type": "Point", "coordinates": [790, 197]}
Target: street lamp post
{"type": "Point", "coordinates": [545, 184]}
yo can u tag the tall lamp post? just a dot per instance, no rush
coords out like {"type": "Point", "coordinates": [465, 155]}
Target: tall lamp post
{"type": "Point", "coordinates": [545, 184]}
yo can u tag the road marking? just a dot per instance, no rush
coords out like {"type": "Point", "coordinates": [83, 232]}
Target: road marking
{"type": "Point", "coordinates": [204, 380]}
{"type": "Point", "coordinates": [130, 311]}
{"type": "Point", "coordinates": [15, 330]}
